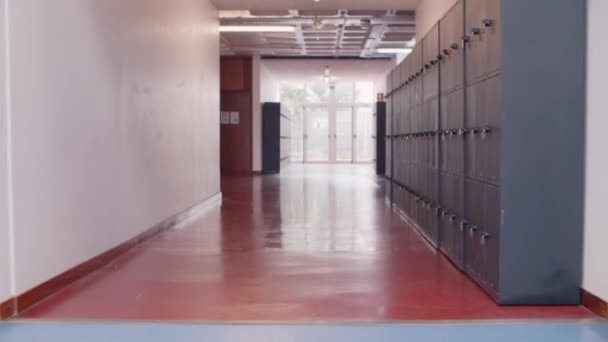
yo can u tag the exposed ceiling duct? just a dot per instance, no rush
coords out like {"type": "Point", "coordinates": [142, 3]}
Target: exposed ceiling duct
{"type": "Point", "coordinates": [319, 33]}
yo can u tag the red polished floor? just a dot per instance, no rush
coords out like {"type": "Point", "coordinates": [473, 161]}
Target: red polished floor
{"type": "Point", "coordinates": [317, 243]}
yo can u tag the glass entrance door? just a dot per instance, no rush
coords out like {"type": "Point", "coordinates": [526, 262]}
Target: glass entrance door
{"type": "Point", "coordinates": [343, 142]}
{"type": "Point", "coordinates": [334, 134]}
{"type": "Point", "coordinates": [317, 135]}
{"type": "Point", "coordinates": [364, 145]}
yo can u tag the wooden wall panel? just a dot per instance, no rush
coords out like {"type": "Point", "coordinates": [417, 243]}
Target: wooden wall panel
{"type": "Point", "coordinates": [237, 140]}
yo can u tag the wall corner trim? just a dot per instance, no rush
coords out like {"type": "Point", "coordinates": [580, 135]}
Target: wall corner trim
{"type": "Point", "coordinates": [594, 303]}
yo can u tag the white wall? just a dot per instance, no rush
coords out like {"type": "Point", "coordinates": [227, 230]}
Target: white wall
{"type": "Point", "coordinates": [595, 277]}
{"type": "Point", "coordinates": [265, 89]}
{"type": "Point", "coordinates": [5, 269]}
{"type": "Point", "coordinates": [344, 70]}
{"type": "Point", "coordinates": [115, 123]}
{"type": "Point", "coordinates": [428, 14]}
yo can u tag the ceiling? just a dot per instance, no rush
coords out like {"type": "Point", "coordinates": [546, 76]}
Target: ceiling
{"type": "Point", "coordinates": [348, 33]}
{"type": "Point", "coordinates": [310, 4]}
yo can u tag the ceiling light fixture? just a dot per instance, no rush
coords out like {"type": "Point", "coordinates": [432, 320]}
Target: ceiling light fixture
{"type": "Point", "coordinates": [256, 28]}
{"type": "Point", "coordinates": [394, 50]}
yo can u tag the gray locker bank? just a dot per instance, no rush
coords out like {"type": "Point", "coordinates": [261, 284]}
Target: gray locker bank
{"type": "Point", "coordinates": [485, 144]}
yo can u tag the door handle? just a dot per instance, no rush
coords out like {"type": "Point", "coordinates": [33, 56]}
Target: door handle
{"type": "Point", "coordinates": [484, 238]}
{"type": "Point", "coordinates": [476, 31]}
{"type": "Point", "coordinates": [487, 23]}
{"type": "Point", "coordinates": [472, 229]}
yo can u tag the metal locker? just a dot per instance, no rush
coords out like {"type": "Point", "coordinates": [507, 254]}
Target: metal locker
{"type": "Point", "coordinates": [444, 150]}
{"type": "Point", "coordinates": [489, 27]}
{"type": "Point", "coordinates": [396, 79]}
{"type": "Point", "coordinates": [434, 114]}
{"type": "Point", "coordinates": [472, 40]}
{"type": "Point", "coordinates": [430, 61]}
{"type": "Point", "coordinates": [456, 152]}
{"type": "Point", "coordinates": [407, 199]}
{"type": "Point", "coordinates": [402, 199]}
{"type": "Point", "coordinates": [434, 186]}
{"type": "Point", "coordinates": [491, 140]}
{"type": "Point", "coordinates": [447, 235]}
{"type": "Point", "coordinates": [490, 238]}
{"type": "Point", "coordinates": [445, 199]}
{"type": "Point", "coordinates": [435, 152]}
{"type": "Point", "coordinates": [451, 31]}
{"type": "Point", "coordinates": [474, 207]}
{"type": "Point", "coordinates": [484, 45]}
{"type": "Point", "coordinates": [432, 223]}
{"type": "Point", "coordinates": [452, 110]}
{"type": "Point", "coordinates": [452, 238]}
{"type": "Point", "coordinates": [396, 159]}
{"type": "Point", "coordinates": [475, 110]}
{"type": "Point", "coordinates": [473, 156]}
{"type": "Point", "coordinates": [389, 157]}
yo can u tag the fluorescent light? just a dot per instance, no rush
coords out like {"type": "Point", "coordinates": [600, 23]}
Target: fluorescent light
{"type": "Point", "coordinates": [394, 50]}
{"type": "Point", "coordinates": [256, 28]}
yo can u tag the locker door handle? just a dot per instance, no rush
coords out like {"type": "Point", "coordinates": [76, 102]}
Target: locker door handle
{"type": "Point", "coordinates": [475, 130]}
{"type": "Point", "coordinates": [439, 58]}
{"type": "Point", "coordinates": [446, 52]}
{"type": "Point", "coordinates": [473, 229]}
{"type": "Point", "coordinates": [463, 225]}
{"type": "Point", "coordinates": [476, 31]}
{"type": "Point", "coordinates": [454, 46]}
{"type": "Point", "coordinates": [484, 237]}
{"type": "Point", "coordinates": [453, 218]}
{"type": "Point", "coordinates": [426, 66]}
{"type": "Point", "coordinates": [454, 132]}
{"type": "Point", "coordinates": [444, 212]}
{"type": "Point", "coordinates": [465, 131]}
{"type": "Point", "coordinates": [487, 130]}
{"type": "Point", "coordinates": [487, 23]}
{"type": "Point", "coordinates": [433, 62]}
{"type": "Point", "coordinates": [466, 39]}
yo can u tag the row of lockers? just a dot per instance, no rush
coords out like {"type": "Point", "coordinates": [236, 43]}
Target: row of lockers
{"type": "Point", "coordinates": [472, 158]}
{"type": "Point", "coordinates": [472, 155]}
{"type": "Point", "coordinates": [461, 225]}
{"type": "Point", "coordinates": [445, 139]}
{"type": "Point", "coordinates": [483, 101]}
{"type": "Point", "coordinates": [469, 152]}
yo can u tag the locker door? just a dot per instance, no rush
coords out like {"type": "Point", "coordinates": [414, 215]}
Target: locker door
{"type": "Point", "coordinates": [430, 47]}
{"type": "Point", "coordinates": [489, 23]}
{"type": "Point", "coordinates": [451, 28]}
{"type": "Point", "coordinates": [456, 108]}
{"type": "Point", "coordinates": [435, 152]}
{"type": "Point", "coordinates": [446, 62]}
{"type": "Point", "coordinates": [475, 116]}
{"type": "Point", "coordinates": [490, 239]}
{"type": "Point", "coordinates": [491, 140]}
{"type": "Point", "coordinates": [474, 199]}
{"type": "Point", "coordinates": [475, 49]}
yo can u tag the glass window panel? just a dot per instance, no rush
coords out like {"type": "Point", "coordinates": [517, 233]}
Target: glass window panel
{"type": "Point", "coordinates": [317, 141]}
{"type": "Point", "coordinates": [297, 134]}
{"type": "Point", "coordinates": [345, 92]}
{"type": "Point", "coordinates": [344, 135]}
{"type": "Point", "coordinates": [317, 92]}
{"type": "Point", "coordinates": [293, 93]}
{"type": "Point", "coordinates": [365, 92]}
{"type": "Point", "coordinates": [364, 142]}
